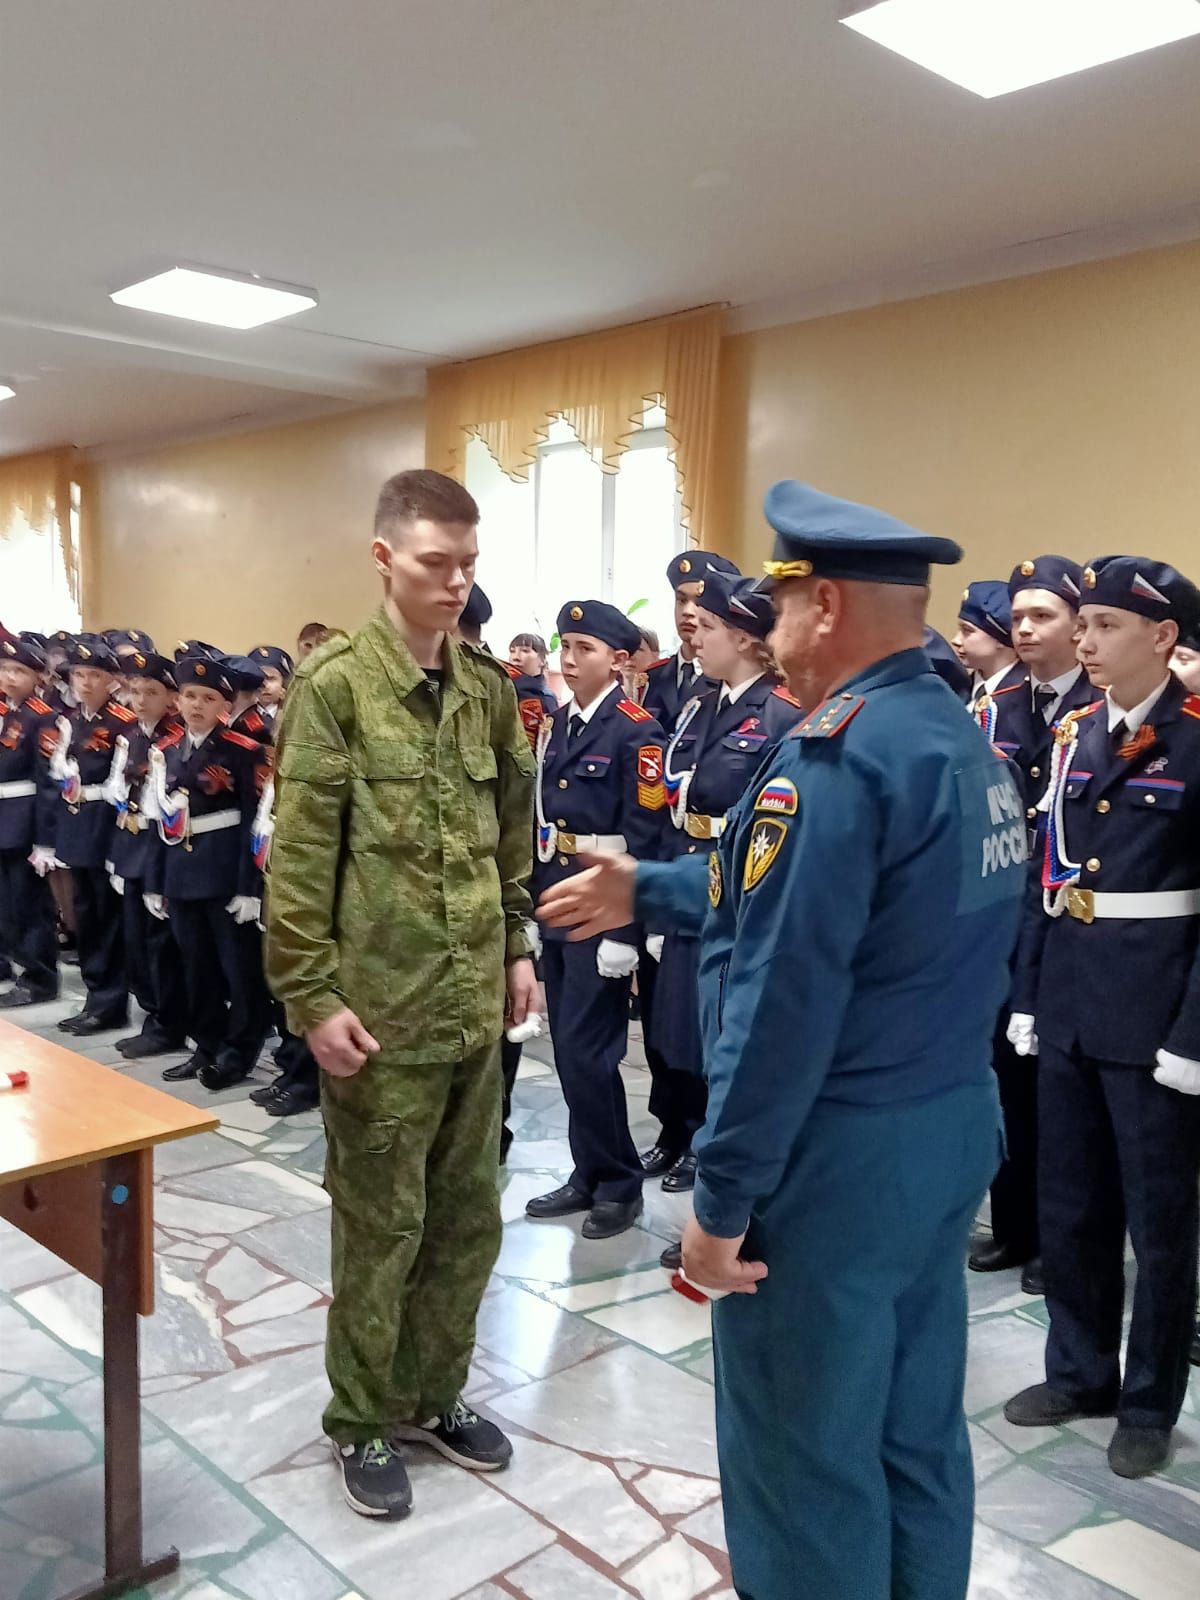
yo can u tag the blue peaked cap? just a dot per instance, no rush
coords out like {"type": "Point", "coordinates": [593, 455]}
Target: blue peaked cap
{"type": "Point", "coordinates": [818, 535]}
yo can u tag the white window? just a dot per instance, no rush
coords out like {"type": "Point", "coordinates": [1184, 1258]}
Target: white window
{"type": "Point", "coordinates": [34, 592]}
{"type": "Point", "coordinates": [574, 532]}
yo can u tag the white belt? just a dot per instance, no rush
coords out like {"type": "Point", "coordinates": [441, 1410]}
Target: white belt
{"type": "Point", "coordinates": [570, 844]}
{"type": "Point", "coordinates": [215, 822]}
{"type": "Point", "coordinates": [17, 791]}
{"type": "Point", "coordinates": [90, 791]}
{"type": "Point", "coordinates": [1089, 905]}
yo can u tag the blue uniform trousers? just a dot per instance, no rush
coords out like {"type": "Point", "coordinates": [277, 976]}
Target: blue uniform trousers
{"type": "Point", "coordinates": [1118, 1151]}
{"type": "Point", "coordinates": [845, 1462]}
{"type": "Point", "coordinates": [589, 1017]}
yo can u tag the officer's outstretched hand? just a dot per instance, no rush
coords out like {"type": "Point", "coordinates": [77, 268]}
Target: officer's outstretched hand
{"type": "Point", "coordinates": [712, 1263]}
{"type": "Point", "coordinates": [593, 901]}
{"type": "Point", "coordinates": [341, 1044]}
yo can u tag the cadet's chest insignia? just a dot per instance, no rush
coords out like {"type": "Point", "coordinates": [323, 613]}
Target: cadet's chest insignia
{"type": "Point", "coordinates": [778, 796]}
{"type": "Point", "coordinates": [99, 739]}
{"type": "Point", "coordinates": [1159, 764]}
{"type": "Point", "coordinates": [47, 742]}
{"type": "Point", "coordinates": [651, 793]}
{"type": "Point", "coordinates": [216, 780]}
{"type": "Point", "coordinates": [830, 718]}
{"type": "Point", "coordinates": [715, 884]}
{"type": "Point", "coordinates": [766, 841]}
{"type": "Point", "coordinates": [12, 735]}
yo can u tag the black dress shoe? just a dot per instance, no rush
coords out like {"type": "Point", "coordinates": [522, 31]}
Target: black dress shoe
{"type": "Point", "coordinates": [69, 1024]}
{"type": "Point", "coordinates": [290, 1102]}
{"type": "Point", "coordinates": [1044, 1407]}
{"type": "Point", "coordinates": [139, 1046]}
{"type": "Point", "coordinates": [1137, 1452]}
{"type": "Point", "coordinates": [1033, 1279]}
{"type": "Point", "coordinates": [672, 1257]}
{"type": "Point", "coordinates": [223, 1074]}
{"type": "Point", "coordinates": [261, 1097]}
{"type": "Point", "coordinates": [608, 1218]}
{"type": "Point", "coordinates": [564, 1202]}
{"type": "Point", "coordinates": [187, 1069]}
{"type": "Point", "coordinates": [22, 994]}
{"type": "Point", "coordinates": [682, 1176]}
{"type": "Point", "coordinates": [996, 1258]}
{"type": "Point", "coordinates": [658, 1159]}
{"type": "Point", "coordinates": [92, 1023]}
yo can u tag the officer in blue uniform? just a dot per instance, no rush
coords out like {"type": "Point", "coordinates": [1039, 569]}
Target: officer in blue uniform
{"type": "Point", "coordinates": [671, 683]}
{"type": "Point", "coordinates": [85, 829]}
{"type": "Point", "coordinates": [1019, 716]}
{"type": "Point", "coordinates": [983, 640]}
{"type": "Point", "coordinates": [861, 907]}
{"type": "Point", "coordinates": [719, 740]}
{"type": "Point", "coordinates": [28, 814]}
{"type": "Point", "coordinates": [152, 963]}
{"type": "Point", "coordinates": [599, 787]}
{"type": "Point", "coordinates": [1112, 991]}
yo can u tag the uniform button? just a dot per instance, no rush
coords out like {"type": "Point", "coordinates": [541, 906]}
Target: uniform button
{"type": "Point", "coordinates": [1035, 772]}
{"type": "Point", "coordinates": [561, 823]}
{"type": "Point", "coordinates": [691, 849]}
{"type": "Point", "coordinates": [563, 862]}
{"type": "Point", "coordinates": [562, 783]}
{"type": "Point", "coordinates": [1104, 807]}
{"type": "Point", "coordinates": [1031, 813]}
{"type": "Point", "coordinates": [1093, 864]}
{"type": "Point", "coordinates": [1150, 799]}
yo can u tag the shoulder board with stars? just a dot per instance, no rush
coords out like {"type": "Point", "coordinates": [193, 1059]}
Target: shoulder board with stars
{"type": "Point", "coordinates": [1191, 706]}
{"type": "Point", "coordinates": [39, 706]}
{"type": "Point", "coordinates": [122, 713]}
{"type": "Point", "coordinates": [830, 718]}
{"type": "Point", "coordinates": [239, 739]}
{"type": "Point", "coordinates": [783, 694]}
{"type": "Point", "coordinates": [633, 711]}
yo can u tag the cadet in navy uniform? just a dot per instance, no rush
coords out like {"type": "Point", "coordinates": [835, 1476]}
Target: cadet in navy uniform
{"type": "Point", "coordinates": [1115, 1014]}
{"type": "Point", "coordinates": [152, 962]}
{"type": "Point", "coordinates": [983, 640]}
{"type": "Point", "coordinates": [205, 787]}
{"type": "Point", "coordinates": [245, 717]}
{"type": "Point", "coordinates": [671, 683]}
{"type": "Point", "coordinates": [719, 741]}
{"type": "Point", "coordinates": [861, 909]}
{"type": "Point", "coordinates": [1019, 717]}
{"type": "Point", "coordinates": [85, 829]}
{"type": "Point", "coordinates": [599, 786]}
{"type": "Point", "coordinates": [28, 815]}
{"type": "Point", "coordinates": [278, 669]}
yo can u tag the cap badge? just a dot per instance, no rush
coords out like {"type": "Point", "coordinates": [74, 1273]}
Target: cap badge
{"type": "Point", "coordinates": [1089, 578]}
{"type": "Point", "coordinates": [576, 613]}
{"type": "Point", "coordinates": [201, 669]}
{"type": "Point", "coordinates": [685, 565]}
{"type": "Point", "coordinates": [1027, 569]}
{"type": "Point", "coordinates": [139, 660]}
{"type": "Point", "coordinates": [84, 653]}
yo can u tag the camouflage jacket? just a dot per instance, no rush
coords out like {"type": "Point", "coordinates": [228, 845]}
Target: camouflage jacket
{"type": "Point", "coordinates": [403, 837]}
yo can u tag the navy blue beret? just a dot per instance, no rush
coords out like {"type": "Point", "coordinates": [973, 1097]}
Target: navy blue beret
{"type": "Point", "coordinates": [244, 674]}
{"type": "Point", "coordinates": [818, 535]}
{"type": "Point", "coordinates": [145, 664]}
{"type": "Point", "coordinates": [600, 621]}
{"type": "Point", "coordinates": [39, 639]}
{"type": "Point", "coordinates": [1055, 573]}
{"type": "Point", "coordinates": [986, 605]}
{"type": "Point", "coordinates": [274, 655]}
{"type": "Point", "coordinates": [693, 566]}
{"type": "Point", "coordinates": [206, 672]}
{"type": "Point", "coordinates": [91, 650]}
{"type": "Point", "coordinates": [739, 602]}
{"type": "Point", "coordinates": [1149, 588]}
{"type": "Point", "coordinates": [24, 653]}
{"type": "Point", "coordinates": [118, 639]}
{"type": "Point", "coordinates": [197, 647]}
{"type": "Point", "coordinates": [478, 610]}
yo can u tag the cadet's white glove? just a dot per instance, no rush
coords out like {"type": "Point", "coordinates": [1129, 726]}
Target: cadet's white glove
{"type": "Point", "coordinates": [1177, 1072]}
{"type": "Point", "coordinates": [531, 1028]}
{"type": "Point", "coordinates": [43, 860]}
{"type": "Point", "coordinates": [1020, 1034]}
{"type": "Point", "coordinates": [156, 905]}
{"type": "Point", "coordinates": [654, 946]}
{"type": "Point", "coordinates": [117, 882]}
{"type": "Point", "coordinates": [244, 908]}
{"type": "Point", "coordinates": [614, 960]}
{"type": "Point", "coordinates": [534, 934]}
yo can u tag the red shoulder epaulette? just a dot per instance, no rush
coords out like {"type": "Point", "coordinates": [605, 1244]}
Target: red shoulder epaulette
{"type": "Point", "coordinates": [1012, 689]}
{"type": "Point", "coordinates": [39, 706]}
{"type": "Point", "coordinates": [169, 740]}
{"type": "Point", "coordinates": [122, 713]}
{"type": "Point", "coordinates": [633, 711]}
{"type": "Point", "coordinates": [239, 739]}
{"type": "Point", "coordinates": [253, 721]}
{"type": "Point", "coordinates": [1191, 706]}
{"type": "Point", "coordinates": [513, 672]}
{"type": "Point", "coordinates": [661, 662]}
{"type": "Point", "coordinates": [782, 694]}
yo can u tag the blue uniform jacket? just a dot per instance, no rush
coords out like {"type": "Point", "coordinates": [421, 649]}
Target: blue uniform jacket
{"type": "Point", "coordinates": [136, 837]}
{"type": "Point", "coordinates": [535, 702]}
{"type": "Point", "coordinates": [1022, 732]}
{"type": "Point", "coordinates": [27, 735]}
{"type": "Point", "coordinates": [861, 911]}
{"type": "Point", "coordinates": [664, 699]}
{"type": "Point", "coordinates": [225, 774]}
{"type": "Point", "coordinates": [1123, 988]}
{"type": "Point", "coordinates": [84, 831]}
{"type": "Point", "coordinates": [608, 781]}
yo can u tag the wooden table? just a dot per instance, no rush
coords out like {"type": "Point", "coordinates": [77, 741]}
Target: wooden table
{"type": "Point", "coordinates": [77, 1175]}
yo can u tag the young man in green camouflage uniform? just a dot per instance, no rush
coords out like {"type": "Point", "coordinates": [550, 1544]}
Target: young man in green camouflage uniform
{"type": "Point", "coordinates": [398, 942]}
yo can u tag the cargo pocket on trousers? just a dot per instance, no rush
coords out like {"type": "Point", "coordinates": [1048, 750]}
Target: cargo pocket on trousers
{"type": "Point", "coordinates": [361, 1177]}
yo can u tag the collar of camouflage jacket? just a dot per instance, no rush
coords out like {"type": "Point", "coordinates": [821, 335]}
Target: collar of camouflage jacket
{"type": "Point", "coordinates": [461, 682]}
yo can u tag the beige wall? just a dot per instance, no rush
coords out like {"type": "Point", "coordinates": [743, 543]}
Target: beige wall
{"type": "Point", "coordinates": [1057, 412]}
{"type": "Point", "coordinates": [241, 540]}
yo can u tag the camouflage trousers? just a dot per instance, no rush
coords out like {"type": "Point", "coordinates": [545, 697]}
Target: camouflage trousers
{"type": "Point", "coordinates": [412, 1172]}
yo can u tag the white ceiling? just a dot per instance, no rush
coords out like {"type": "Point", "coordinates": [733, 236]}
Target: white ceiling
{"type": "Point", "coordinates": [456, 176]}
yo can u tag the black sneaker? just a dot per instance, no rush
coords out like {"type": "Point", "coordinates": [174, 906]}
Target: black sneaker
{"type": "Point", "coordinates": [374, 1479]}
{"type": "Point", "coordinates": [260, 1097]}
{"type": "Point", "coordinates": [462, 1435]}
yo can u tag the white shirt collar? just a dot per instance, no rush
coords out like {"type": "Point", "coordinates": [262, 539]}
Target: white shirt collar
{"type": "Point", "coordinates": [1060, 685]}
{"type": "Point", "coordinates": [194, 741]}
{"type": "Point", "coordinates": [730, 696]}
{"type": "Point", "coordinates": [588, 712]}
{"type": "Point", "coordinates": [990, 685]}
{"type": "Point", "coordinates": [1134, 718]}
{"type": "Point", "coordinates": [686, 671]}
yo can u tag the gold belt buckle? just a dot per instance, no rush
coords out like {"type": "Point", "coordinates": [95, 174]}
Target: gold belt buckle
{"type": "Point", "coordinates": [697, 827]}
{"type": "Point", "coordinates": [566, 843]}
{"type": "Point", "coordinates": [1081, 904]}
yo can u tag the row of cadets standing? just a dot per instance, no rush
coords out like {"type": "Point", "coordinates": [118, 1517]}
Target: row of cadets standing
{"type": "Point", "coordinates": [28, 818]}
{"type": "Point", "coordinates": [599, 788]}
{"type": "Point", "coordinates": [720, 739]}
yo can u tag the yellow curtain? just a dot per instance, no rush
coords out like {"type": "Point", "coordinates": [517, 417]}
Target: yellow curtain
{"type": "Point", "coordinates": [600, 383]}
{"type": "Point", "coordinates": [38, 489]}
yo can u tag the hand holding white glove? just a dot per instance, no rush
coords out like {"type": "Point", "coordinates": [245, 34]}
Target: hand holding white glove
{"type": "Point", "coordinates": [534, 934]}
{"type": "Point", "coordinates": [1177, 1072]}
{"type": "Point", "coordinates": [531, 1028]}
{"type": "Point", "coordinates": [615, 960]}
{"type": "Point", "coordinates": [654, 946]}
{"type": "Point", "coordinates": [1020, 1034]}
{"type": "Point", "coordinates": [118, 883]}
{"type": "Point", "coordinates": [43, 860]}
{"type": "Point", "coordinates": [156, 905]}
{"type": "Point", "coordinates": [244, 908]}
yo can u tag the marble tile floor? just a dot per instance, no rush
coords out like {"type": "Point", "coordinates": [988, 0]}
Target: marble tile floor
{"type": "Point", "coordinates": [601, 1373]}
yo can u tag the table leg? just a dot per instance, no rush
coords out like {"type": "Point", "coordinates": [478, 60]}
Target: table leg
{"type": "Point", "coordinates": [122, 1221]}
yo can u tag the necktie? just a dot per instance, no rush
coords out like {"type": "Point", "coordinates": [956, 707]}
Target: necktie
{"type": "Point", "coordinates": [1118, 735]}
{"type": "Point", "coordinates": [722, 700]}
{"type": "Point", "coordinates": [1044, 697]}
{"type": "Point", "coordinates": [575, 727]}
